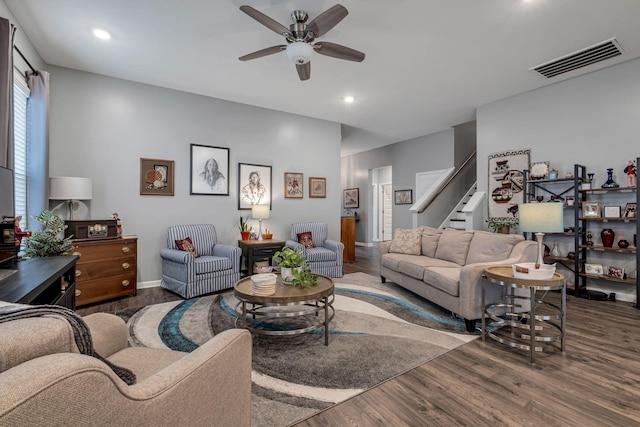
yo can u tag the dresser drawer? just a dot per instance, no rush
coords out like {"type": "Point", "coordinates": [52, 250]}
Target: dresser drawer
{"type": "Point", "coordinates": [97, 269]}
{"type": "Point", "coordinates": [265, 252]}
{"type": "Point", "coordinates": [101, 252]}
{"type": "Point", "coordinates": [105, 288]}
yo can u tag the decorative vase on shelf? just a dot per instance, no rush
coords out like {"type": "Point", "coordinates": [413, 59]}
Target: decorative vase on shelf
{"type": "Point", "coordinates": [610, 182]}
{"type": "Point", "coordinates": [607, 236]}
{"type": "Point", "coordinates": [623, 244]}
{"type": "Point", "coordinates": [555, 252]}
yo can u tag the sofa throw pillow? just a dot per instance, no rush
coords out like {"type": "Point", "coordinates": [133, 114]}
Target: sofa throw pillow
{"type": "Point", "coordinates": [406, 241]}
{"type": "Point", "coordinates": [306, 239]}
{"type": "Point", "coordinates": [454, 245]}
{"type": "Point", "coordinates": [487, 247]}
{"type": "Point", "coordinates": [430, 238]}
{"type": "Point", "coordinates": [187, 245]}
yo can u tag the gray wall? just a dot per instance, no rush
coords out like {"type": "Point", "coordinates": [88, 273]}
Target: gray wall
{"type": "Point", "coordinates": [426, 153]}
{"type": "Point", "coordinates": [101, 127]}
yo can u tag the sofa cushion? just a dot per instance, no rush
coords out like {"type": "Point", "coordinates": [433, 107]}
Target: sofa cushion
{"type": "Point", "coordinates": [414, 265]}
{"type": "Point", "coordinates": [447, 279]}
{"type": "Point", "coordinates": [406, 241]}
{"type": "Point", "coordinates": [209, 264]}
{"type": "Point", "coordinates": [454, 245]}
{"type": "Point", "coordinates": [430, 238]}
{"type": "Point", "coordinates": [187, 245]}
{"type": "Point", "coordinates": [306, 239]}
{"type": "Point", "coordinates": [486, 246]}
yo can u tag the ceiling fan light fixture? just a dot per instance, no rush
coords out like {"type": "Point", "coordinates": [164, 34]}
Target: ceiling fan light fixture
{"type": "Point", "coordinates": [299, 52]}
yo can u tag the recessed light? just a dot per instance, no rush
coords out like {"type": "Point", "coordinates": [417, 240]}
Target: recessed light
{"type": "Point", "coordinates": [348, 99]}
{"type": "Point", "coordinates": [101, 34]}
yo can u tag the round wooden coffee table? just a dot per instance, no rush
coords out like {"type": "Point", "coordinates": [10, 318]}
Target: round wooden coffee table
{"type": "Point", "coordinates": [313, 303]}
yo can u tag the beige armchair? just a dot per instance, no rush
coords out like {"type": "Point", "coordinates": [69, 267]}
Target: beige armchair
{"type": "Point", "coordinates": [44, 380]}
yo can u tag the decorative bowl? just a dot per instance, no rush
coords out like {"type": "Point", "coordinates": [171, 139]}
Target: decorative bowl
{"type": "Point", "coordinates": [267, 236]}
{"type": "Point", "coordinates": [528, 270]}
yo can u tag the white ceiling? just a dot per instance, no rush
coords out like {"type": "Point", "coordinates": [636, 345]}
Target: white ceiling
{"type": "Point", "coordinates": [429, 63]}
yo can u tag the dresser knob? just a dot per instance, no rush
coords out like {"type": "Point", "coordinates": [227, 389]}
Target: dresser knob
{"type": "Point", "coordinates": [125, 249]}
{"type": "Point", "coordinates": [77, 253]}
{"type": "Point", "coordinates": [125, 283]}
{"type": "Point", "coordinates": [78, 292]}
{"type": "Point", "coordinates": [125, 265]}
{"type": "Point", "coordinates": [78, 273]}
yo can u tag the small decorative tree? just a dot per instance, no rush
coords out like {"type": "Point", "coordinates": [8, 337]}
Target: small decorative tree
{"type": "Point", "coordinates": [47, 242]}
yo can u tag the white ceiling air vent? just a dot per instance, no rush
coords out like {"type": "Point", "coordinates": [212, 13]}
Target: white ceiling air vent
{"type": "Point", "coordinates": [591, 55]}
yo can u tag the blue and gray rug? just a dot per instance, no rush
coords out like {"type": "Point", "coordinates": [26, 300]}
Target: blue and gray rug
{"type": "Point", "coordinates": [379, 331]}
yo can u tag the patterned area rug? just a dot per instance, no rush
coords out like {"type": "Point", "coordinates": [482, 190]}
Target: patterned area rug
{"type": "Point", "coordinates": [379, 331]}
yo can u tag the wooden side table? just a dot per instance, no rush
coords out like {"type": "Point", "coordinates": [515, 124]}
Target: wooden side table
{"type": "Point", "coordinates": [257, 250]}
{"type": "Point", "coordinates": [528, 328]}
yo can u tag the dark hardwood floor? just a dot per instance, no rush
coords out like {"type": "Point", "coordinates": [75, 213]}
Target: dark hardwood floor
{"type": "Point", "coordinates": [595, 383]}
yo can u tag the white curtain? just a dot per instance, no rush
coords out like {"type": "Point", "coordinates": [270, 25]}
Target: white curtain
{"type": "Point", "coordinates": [7, 31]}
{"type": "Point", "coordinates": [38, 147]}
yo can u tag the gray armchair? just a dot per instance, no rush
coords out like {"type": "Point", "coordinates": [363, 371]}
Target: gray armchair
{"type": "Point", "coordinates": [326, 257]}
{"type": "Point", "coordinates": [46, 381]}
{"type": "Point", "coordinates": [216, 268]}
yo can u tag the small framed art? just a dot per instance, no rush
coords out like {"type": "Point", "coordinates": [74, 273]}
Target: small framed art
{"type": "Point", "coordinates": [293, 185]}
{"type": "Point", "coordinates": [351, 198]}
{"type": "Point", "coordinates": [254, 185]}
{"type": "Point", "coordinates": [616, 272]}
{"type": "Point", "coordinates": [591, 209]}
{"type": "Point", "coordinates": [156, 177]}
{"type": "Point", "coordinates": [630, 210]}
{"type": "Point", "coordinates": [209, 170]}
{"type": "Point", "coordinates": [318, 187]}
{"type": "Point", "coordinates": [403, 197]}
{"type": "Point", "coordinates": [593, 269]}
{"type": "Point", "coordinates": [612, 211]}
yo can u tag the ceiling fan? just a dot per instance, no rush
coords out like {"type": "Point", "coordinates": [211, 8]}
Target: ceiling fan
{"type": "Point", "coordinates": [300, 35]}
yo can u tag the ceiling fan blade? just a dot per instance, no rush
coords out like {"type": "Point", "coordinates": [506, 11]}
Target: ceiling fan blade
{"type": "Point", "coordinates": [327, 20]}
{"type": "Point", "coordinates": [265, 20]}
{"type": "Point", "coordinates": [304, 71]}
{"type": "Point", "coordinates": [338, 51]}
{"type": "Point", "coordinates": [263, 52]}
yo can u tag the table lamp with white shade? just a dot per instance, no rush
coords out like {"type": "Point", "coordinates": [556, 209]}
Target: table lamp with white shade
{"type": "Point", "coordinates": [260, 212]}
{"type": "Point", "coordinates": [70, 188]}
{"type": "Point", "coordinates": [540, 218]}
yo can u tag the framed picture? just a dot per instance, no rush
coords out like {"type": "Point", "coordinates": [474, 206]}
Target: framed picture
{"type": "Point", "coordinates": [612, 211]}
{"type": "Point", "coordinates": [591, 210]}
{"type": "Point", "coordinates": [403, 197]}
{"type": "Point", "coordinates": [539, 170]}
{"type": "Point", "coordinates": [209, 170]}
{"type": "Point", "coordinates": [156, 177]}
{"type": "Point", "coordinates": [254, 185]}
{"type": "Point", "coordinates": [293, 185]}
{"type": "Point", "coordinates": [593, 269]}
{"type": "Point", "coordinates": [351, 198]}
{"type": "Point", "coordinates": [630, 210]}
{"type": "Point", "coordinates": [506, 182]}
{"type": "Point", "coordinates": [318, 187]}
{"type": "Point", "coordinates": [616, 272]}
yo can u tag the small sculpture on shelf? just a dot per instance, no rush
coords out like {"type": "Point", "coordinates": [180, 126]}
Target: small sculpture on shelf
{"type": "Point", "coordinates": [589, 241]}
{"type": "Point", "coordinates": [631, 172]}
{"type": "Point", "coordinates": [610, 182]}
{"type": "Point", "coordinates": [118, 224]}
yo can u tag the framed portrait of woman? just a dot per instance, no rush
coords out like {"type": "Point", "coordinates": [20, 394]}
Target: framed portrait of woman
{"type": "Point", "coordinates": [254, 185]}
{"type": "Point", "coordinates": [209, 170]}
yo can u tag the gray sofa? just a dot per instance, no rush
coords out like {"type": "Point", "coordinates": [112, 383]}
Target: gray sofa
{"type": "Point", "coordinates": [446, 266]}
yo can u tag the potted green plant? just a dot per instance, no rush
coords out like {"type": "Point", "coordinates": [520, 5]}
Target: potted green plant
{"type": "Point", "coordinates": [289, 259]}
{"type": "Point", "coordinates": [502, 226]}
{"type": "Point", "coordinates": [47, 242]}
{"type": "Point", "coordinates": [303, 277]}
{"type": "Point", "coordinates": [245, 230]}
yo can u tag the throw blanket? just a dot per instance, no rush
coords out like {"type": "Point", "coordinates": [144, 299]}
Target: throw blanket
{"type": "Point", "coordinates": [81, 332]}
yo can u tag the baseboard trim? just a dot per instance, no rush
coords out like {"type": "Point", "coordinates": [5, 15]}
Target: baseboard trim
{"type": "Point", "coordinates": [149, 284]}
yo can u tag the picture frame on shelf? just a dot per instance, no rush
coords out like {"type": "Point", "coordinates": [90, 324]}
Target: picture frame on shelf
{"type": "Point", "coordinates": [403, 197]}
{"type": "Point", "coordinates": [351, 198]}
{"type": "Point", "coordinates": [317, 187]}
{"type": "Point", "coordinates": [539, 170]}
{"type": "Point", "coordinates": [209, 170]}
{"type": "Point", "coordinates": [156, 177]}
{"type": "Point", "coordinates": [591, 210]}
{"type": "Point", "coordinates": [593, 269]}
{"type": "Point", "coordinates": [617, 272]}
{"type": "Point", "coordinates": [254, 185]}
{"type": "Point", "coordinates": [630, 210]}
{"type": "Point", "coordinates": [293, 185]}
{"type": "Point", "coordinates": [612, 211]}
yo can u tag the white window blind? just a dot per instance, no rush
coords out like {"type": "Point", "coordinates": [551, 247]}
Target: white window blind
{"type": "Point", "coordinates": [20, 96]}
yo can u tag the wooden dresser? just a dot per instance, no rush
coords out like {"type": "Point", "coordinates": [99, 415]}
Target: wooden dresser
{"type": "Point", "coordinates": [348, 238]}
{"type": "Point", "coordinates": [106, 269]}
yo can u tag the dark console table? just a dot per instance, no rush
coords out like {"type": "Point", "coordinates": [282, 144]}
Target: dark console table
{"type": "Point", "coordinates": [48, 280]}
{"type": "Point", "coordinates": [257, 250]}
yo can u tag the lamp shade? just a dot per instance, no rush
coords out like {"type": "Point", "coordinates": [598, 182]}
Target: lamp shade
{"type": "Point", "coordinates": [541, 217]}
{"type": "Point", "coordinates": [299, 52]}
{"type": "Point", "coordinates": [70, 188]}
{"type": "Point", "coordinates": [260, 211]}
